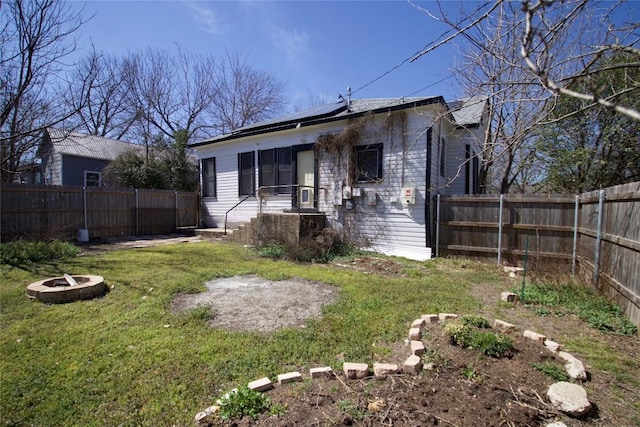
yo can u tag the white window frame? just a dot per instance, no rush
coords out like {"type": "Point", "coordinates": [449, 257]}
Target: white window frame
{"type": "Point", "coordinates": [93, 172]}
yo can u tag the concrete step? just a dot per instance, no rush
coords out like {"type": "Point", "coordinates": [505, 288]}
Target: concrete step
{"type": "Point", "coordinates": [211, 233]}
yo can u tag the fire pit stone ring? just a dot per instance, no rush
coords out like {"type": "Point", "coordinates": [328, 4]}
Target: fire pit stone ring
{"type": "Point", "coordinates": [56, 290]}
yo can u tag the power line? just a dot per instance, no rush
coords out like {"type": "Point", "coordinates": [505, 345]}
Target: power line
{"type": "Point", "coordinates": [417, 54]}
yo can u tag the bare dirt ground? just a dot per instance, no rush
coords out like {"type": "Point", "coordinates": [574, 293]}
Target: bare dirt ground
{"type": "Point", "coordinates": [252, 303]}
{"type": "Point", "coordinates": [463, 389]}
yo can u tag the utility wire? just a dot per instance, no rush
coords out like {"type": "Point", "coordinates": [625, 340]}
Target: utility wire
{"type": "Point", "coordinates": [419, 53]}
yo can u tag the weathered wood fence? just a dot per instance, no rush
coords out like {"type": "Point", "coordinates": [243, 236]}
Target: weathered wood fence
{"type": "Point", "coordinates": [48, 212]}
{"type": "Point", "coordinates": [595, 235]}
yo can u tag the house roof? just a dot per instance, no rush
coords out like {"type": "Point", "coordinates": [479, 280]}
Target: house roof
{"type": "Point", "coordinates": [90, 146]}
{"type": "Point", "coordinates": [468, 111]}
{"type": "Point", "coordinates": [323, 114]}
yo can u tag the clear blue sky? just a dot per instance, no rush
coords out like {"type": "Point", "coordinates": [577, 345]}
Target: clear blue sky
{"type": "Point", "coordinates": [317, 48]}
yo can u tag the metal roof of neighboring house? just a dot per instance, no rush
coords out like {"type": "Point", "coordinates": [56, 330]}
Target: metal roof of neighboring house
{"type": "Point", "coordinates": [325, 113]}
{"type": "Point", "coordinates": [90, 146]}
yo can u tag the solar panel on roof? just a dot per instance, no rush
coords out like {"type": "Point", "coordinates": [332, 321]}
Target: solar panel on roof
{"type": "Point", "coordinates": [311, 112]}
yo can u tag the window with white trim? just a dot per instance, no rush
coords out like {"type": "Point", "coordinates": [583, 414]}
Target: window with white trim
{"type": "Point", "coordinates": [92, 179]}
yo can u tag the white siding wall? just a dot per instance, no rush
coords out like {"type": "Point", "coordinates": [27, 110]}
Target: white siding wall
{"type": "Point", "coordinates": [376, 218]}
{"type": "Point", "coordinates": [226, 154]}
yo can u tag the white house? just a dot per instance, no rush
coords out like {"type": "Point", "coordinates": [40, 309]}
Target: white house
{"type": "Point", "coordinates": [371, 165]}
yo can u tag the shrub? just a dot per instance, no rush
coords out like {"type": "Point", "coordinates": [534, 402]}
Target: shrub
{"type": "Point", "coordinates": [243, 401]}
{"type": "Point", "coordinates": [322, 246]}
{"type": "Point", "coordinates": [21, 252]}
{"type": "Point", "coordinates": [464, 334]}
{"type": "Point", "coordinates": [477, 321]}
{"type": "Point", "coordinates": [273, 251]}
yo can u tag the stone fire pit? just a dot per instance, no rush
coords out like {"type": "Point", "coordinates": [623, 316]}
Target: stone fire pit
{"type": "Point", "coordinates": [55, 290]}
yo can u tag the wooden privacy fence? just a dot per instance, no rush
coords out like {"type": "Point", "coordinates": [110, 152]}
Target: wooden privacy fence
{"type": "Point", "coordinates": [47, 212]}
{"type": "Point", "coordinates": [595, 235]}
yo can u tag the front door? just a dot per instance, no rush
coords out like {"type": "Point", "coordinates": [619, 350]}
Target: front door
{"type": "Point", "coordinates": [305, 178]}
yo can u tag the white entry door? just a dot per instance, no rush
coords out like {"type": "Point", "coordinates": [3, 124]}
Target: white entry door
{"type": "Point", "coordinates": [306, 178]}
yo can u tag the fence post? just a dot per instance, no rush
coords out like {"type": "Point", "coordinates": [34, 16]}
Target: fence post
{"type": "Point", "coordinates": [500, 230]}
{"type": "Point", "coordinates": [137, 213]}
{"type": "Point", "coordinates": [176, 203]}
{"type": "Point", "coordinates": [575, 235]}
{"type": "Point", "coordinates": [437, 225]}
{"type": "Point", "coordinates": [596, 261]}
{"type": "Point", "coordinates": [84, 207]}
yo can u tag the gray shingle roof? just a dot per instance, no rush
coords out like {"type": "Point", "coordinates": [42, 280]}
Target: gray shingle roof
{"type": "Point", "coordinates": [468, 111]}
{"type": "Point", "coordinates": [90, 146]}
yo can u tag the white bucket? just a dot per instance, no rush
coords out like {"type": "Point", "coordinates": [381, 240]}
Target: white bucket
{"type": "Point", "coordinates": [83, 235]}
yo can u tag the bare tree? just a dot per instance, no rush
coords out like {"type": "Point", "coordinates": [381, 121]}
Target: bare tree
{"type": "Point", "coordinates": [36, 35]}
{"type": "Point", "coordinates": [547, 19]}
{"type": "Point", "coordinates": [198, 94]}
{"type": "Point", "coordinates": [493, 39]}
{"type": "Point", "coordinates": [97, 92]}
{"type": "Point", "coordinates": [244, 95]}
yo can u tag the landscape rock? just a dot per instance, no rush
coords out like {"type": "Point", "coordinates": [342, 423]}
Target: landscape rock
{"type": "Point", "coordinates": [556, 424]}
{"type": "Point", "coordinates": [263, 384]}
{"type": "Point", "coordinates": [447, 316]}
{"type": "Point", "coordinates": [384, 369]}
{"type": "Point", "coordinates": [355, 371]}
{"type": "Point", "coordinates": [417, 348]}
{"type": "Point", "coordinates": [574, 367]}
{"type": "Point", "coordinates": [569, 398]}
{"type": "Point", "coordinates": [508, 296]}
{"type": "Point", "coordinates": [413, 365]}
{"type": "Point", "coordinates": [415, 334]}
{"type": "Point", "coordinates": [503, 325]}
{"type": "Point", "coordinates": [431, 318]}
{"type": "Point", "coordinates": [418, 323]}
{"type": "Point", "coordinates": [200, 417]}
{"type": "Point", "coordinates": [324, 371]}
{"type": "Point", "coordinates": [289, 377]}
{"type": "Point", "coordinates": [534, 336]}
{"type": "Point", "coordinates": [553, 346]}
{"type": "Point", "coordinates": [575, 370]}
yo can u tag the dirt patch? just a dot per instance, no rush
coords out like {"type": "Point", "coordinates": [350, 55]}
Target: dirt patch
{"type": "Point", "coordinates": [464, 388]}
{"type": "Point", "coordinates": [253, 303]}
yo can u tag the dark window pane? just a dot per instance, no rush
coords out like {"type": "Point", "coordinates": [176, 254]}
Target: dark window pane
{"type": "Point", "coordinates": [369, 163]}
{"type": "Point", "coordinates": [284, 170]}
{"type": "Point", "coordinates": [246, 176]}
{"type": "Point", "coordinates": [267, 169]}
{"type": "Point", "coordinates": [209, 177]}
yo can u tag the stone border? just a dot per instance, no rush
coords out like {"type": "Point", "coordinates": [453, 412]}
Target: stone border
{"type": "Point", "coordinates": [566, 397]}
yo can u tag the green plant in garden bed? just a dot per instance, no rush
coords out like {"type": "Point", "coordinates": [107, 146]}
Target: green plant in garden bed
{"type": "Point", "coordinates": [552, 370]}
{"type": "Point", "coordinates": [465, 333]}
{"type": "Point", "coordinates": [578, 300]}
{"type": "Point", "coordinates": [243, 401]}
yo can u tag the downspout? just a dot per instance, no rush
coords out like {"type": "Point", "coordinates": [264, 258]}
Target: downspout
{"type": "Point", "coordinates": [427, 198]}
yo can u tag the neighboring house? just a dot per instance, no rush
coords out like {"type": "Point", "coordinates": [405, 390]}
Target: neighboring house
{"type": "Point", "coordinates": [371, 165]}
{"type": "Point", "coordinates": [73, 158]}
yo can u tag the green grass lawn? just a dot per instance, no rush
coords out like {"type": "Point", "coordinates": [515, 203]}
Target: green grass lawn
{"type": "Point", "coordinates": [112, 361]}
